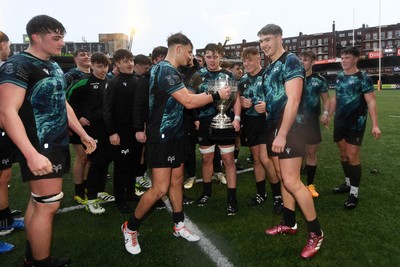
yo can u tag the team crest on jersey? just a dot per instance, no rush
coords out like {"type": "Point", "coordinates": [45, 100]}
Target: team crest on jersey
{"type": "Point", "coordinates": [288, 150]}
{"type": "Point", "coordinates": [126, 151]}
{"type": "Point", "coordinates": [171, 159]}
{"type": "Point", "coordinates": [125, 84]}
{"type": "Point", "coordinates": [171, 79]}
{"type": "Point", "coordinates": [46, 71]}
{"type": "Point", "coordinates": [9, 68]}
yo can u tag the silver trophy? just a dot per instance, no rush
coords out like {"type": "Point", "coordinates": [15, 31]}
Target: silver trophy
{"type": "Point", "coordinates": [221, 125]}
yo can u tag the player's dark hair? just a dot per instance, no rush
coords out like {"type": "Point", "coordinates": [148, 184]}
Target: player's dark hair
{"type": "Point", "coordinates": [249, 52]}
{"type": "Point", "coordinates": [179, 38]}
{"type": "Point", "coordinates": [214, 48]}
{"type": "Point", "coordinates": [159, 51]}
{"type": "Point", "coordinates": [308, 54]}
{"type": "Point", "coordinates": [43, 24]}
{"type": "Point", "coordinates": [350, 51]}
{"type": "Point", "coordinates": [100, 58]}
{"type": "Point", "coordinates": [141, 60]}
{"type": "Point", "coordinates": [121, 54]}
{"type": "Point", "coordinates": [270, 29]}
{"type": "Point", "coordinates": [3, 37]}
{"type": "Point", "coordinates": [80, 50]}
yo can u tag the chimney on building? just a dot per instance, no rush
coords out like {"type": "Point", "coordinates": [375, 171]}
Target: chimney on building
{"type": "Point", "coordinates": [333, 26]}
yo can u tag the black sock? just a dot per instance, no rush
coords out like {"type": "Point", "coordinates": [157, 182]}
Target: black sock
{"type": "Point", "coordinates": [236, 154]}
{"type": "Point", "coordinates": [261, 188]}
{"type": "Point", "coordinates": [207, 189]}
{"type": "Point", "coordinates": [231, 194]}
{"type": "Point", "coordinates": [289, 217]}
{"type": "Point", "coordinates": [314, 227]}
{"type": "Point", "coordinates": [6, 218]}
{"type": "Point", "coordinates": [345, 166]}
{"type": "Point", "coordinates": [178, 217]}
{"type": "Point", "coordinates": [42, 263]}
{"type": "Point", "coordinates": [355, 175]}
{"type": "Point", "coordinates": [311, 173]}
{"type": "Point", "coordinates": [276, 189]}
{"type": "Point", "coordinates": [80, 190]}
{"type": "Point", "coordinates": [28, 252]}
{"type": "Point", "coordinates": [134, 223]}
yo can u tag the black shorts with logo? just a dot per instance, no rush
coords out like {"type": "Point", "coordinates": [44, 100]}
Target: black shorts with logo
{"type": "Point", "coordinates": [7, 151]}
{"type": "Point", "coordinates": [295, 142]}
{"type": "Point", "coordinates": [60, 160]}
{"type": "Point", "coordinates": [166, 155]}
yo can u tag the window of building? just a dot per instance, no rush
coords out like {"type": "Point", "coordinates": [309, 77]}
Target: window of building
{"type": "Point", "coordinates": [287, 41]}
{"type": "Point", "coordinates": [389, 44]}
{"type": "Point", "coordinates": [397, 33]}
{"type": "Point", "coordinates": [308, 42]}
{"type": "Point", "coordinates": [383, 44]}
{"type": "Point", "coordinates": [375, 45]}
{"type": "Point", "coordinates": [325, 56]}
{"type": "Point", "coordinates": [397, 42]}
{"type": "Point", "coordinates": [375, 35]}
{"type": "Point", "coordinates": [314, 42]}
{"type": "Point", "coordinates": [350, 34]}
{"type": "Point", "coordinates": [367, 46]}
{"type": "Point", "coordinates": [294, 47]}
{"type": "Point", "coordinates": [359, 33]}
{"type": "Point", "coordinates": [319, 57]}
{"type": "Point", "coordinates": [383, 34]}
{"type": "Point", "coordinates": [294, 40]}
{"type": "Point", "coordinates": [367, 36]}
{"type": "Point", "coordinates": [343, 43]}
{"type": "Point", "coordinates": [389, 34]}
{"type": "Point", "coordinates": [326, 48]}
{"type": "Point", "coordinates": [319, 49]}
{"type": "Point", "coordinates": [302, 43]}
{"type": "Point", "coordinates": [342, 35]}
{"type": "Point", "coordinates": [319, 41]}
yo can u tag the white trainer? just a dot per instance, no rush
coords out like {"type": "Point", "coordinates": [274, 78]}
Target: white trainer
{"type": "Point", "coordinates": [94, 207]}
{"type": "Point", "coordinates": [180, 230]}
{"type": "Point", "coordinates": [189, 182]}
{"type": "Point", "coordinates": [143, 181]}
{"type": "Point", "coordinates": [130, 239]}
{"type": "Point", "coordinates": [219, 176]}
{"type": "Point", "coordinates": [106, 197]}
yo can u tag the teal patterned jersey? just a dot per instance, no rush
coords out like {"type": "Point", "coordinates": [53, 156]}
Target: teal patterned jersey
{"type": "Point", "coordinates": [351, 107]}
{"type": "Point", "coordinates": [165, 121]}
{"type": "Point", "coordinates": [286, 68]}
{"type": "Point", "coordinates": [199, 85]}
{"type": "Point", "coordinates": [43, 111]}
{"type": "Point", "coordinates": [315, 85]}
{"type": "Point", "coordinates": [251, 87]}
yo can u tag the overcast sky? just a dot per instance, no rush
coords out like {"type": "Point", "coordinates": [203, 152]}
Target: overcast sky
{"type": "Point", "coordinates": [202, 21]}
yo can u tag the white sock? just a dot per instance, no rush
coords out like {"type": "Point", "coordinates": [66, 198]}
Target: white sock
{"type": "Point", "coordinates": [354, 191]}
{"type": "Point", "coordinates": [347, 181]}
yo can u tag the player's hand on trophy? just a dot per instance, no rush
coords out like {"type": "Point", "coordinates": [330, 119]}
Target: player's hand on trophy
{"type": "Point", "coordinates": [224, 93]}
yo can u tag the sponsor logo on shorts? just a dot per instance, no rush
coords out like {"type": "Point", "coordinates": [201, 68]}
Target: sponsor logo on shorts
{"type": "Point", "coordinates": [5, 161]}
{"type": "Point", "coordinates": [126, 151]}
{"type": "Point", "coordinates": [57, 168]}
{"type": "Point", "coordinates": [171, 159]}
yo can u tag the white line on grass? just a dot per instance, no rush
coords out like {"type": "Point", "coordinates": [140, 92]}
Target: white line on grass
{"type": "Point", "coordinates": [394, 116]}
{"type": "Point", "coordinates": [204, 243]}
